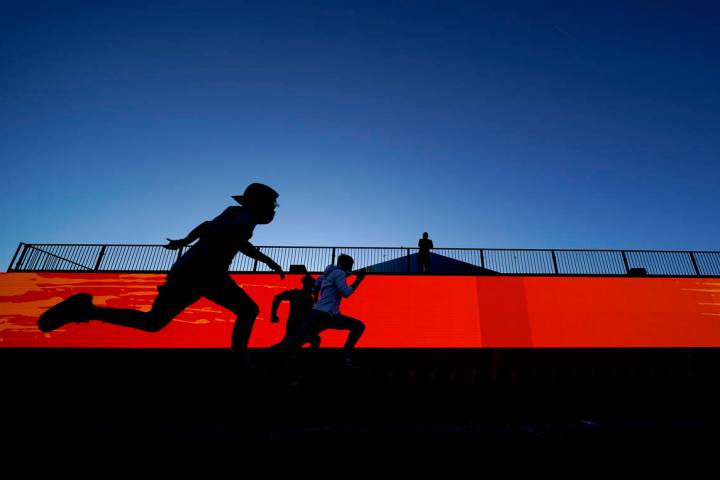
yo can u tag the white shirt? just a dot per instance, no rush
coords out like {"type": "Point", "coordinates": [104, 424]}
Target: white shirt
{"type": "Point", "coordinates": [333, 287]}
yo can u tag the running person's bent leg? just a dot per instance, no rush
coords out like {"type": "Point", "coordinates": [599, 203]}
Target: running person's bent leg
{"type": "Point", "coordinates": [308, 332]}
{"type": "Point", "coordinates": [356, 328]}
{"type": "Point", "coordinates": [226, 293]}
{"type": "Point", "coordinates": [292, 331]}
{"type": "Point", "coordinates": [343, 322]}
{"type": "Point", "coordinates": [79, 308]}
{"type": "Point", "coordinates": [172, 299]}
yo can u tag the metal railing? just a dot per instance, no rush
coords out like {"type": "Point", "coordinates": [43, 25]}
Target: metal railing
{"type": "Point", "coordinates": [156, 258]}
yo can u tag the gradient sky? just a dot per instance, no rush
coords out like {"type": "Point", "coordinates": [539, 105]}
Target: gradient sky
{"type": "Point", "coordinates": [488, 124]}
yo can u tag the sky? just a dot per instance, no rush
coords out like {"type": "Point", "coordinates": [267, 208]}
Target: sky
{"type": "Point", "coordinates": [563, 124]}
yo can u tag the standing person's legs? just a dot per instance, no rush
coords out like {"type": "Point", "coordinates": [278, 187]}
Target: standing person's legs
{"type": "Point", "coordinates": [226, 293]}
{"type": "Point", "coordinates": [423, 264]}
{"type": "Point", "coordinates": [420, 264]}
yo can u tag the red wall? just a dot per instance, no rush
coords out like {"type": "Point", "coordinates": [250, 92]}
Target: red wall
{"type": "Point", "coordinates": [399, 311]}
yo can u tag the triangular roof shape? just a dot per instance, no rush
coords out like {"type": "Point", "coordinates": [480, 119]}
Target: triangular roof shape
{"type": "Point", "coordinates": [439, 264]}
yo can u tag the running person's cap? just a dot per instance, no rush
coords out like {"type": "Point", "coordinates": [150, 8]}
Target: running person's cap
{"type": "Point", "coordinates": [256, 193]}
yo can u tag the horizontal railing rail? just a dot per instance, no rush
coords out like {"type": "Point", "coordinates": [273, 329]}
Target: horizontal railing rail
{"type": "Point", "coordinates": [476, 261]}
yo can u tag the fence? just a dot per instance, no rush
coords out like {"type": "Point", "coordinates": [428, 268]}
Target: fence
{"type": "Point", "coordinates": [156, 258]}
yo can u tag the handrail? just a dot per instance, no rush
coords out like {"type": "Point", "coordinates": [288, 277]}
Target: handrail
{"type": "Point", "coordinates": [478, 261]}
{"type": "Point", "coordinates": [99, 245]}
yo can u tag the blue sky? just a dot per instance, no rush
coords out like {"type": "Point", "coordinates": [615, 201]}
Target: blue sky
{"type": "Point", "coordinates": [488, 124]}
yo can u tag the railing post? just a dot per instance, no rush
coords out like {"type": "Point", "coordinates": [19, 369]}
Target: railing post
{"type": "Point", "coordinates": [22, 257]}
{"type": "Point", "coordinates": [17, 250]}
{"type": "Point", "coordinates": [482, 258]}
{"type": "Point", "coordinates": [554, 261]}
{"type": "Point", "coordinates": [694, 263]}
{"type": "Point", "coordinates": [625, 261]}
{"type": "Point", "coordinates": [332, 260]}
{"type": "Point", "coordinates": [408, 259]}
{"type": "Point", "coordinates": [100, 257]}
{"type": "Point", "coordinates": [255, 262]}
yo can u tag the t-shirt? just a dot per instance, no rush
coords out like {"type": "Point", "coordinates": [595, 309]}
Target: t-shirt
{"type": "Point", "coordinates": [425, 245]}
{"type": "Point", "coordinates": [218, 244]}
{"type": "Point", "coordinates": [300, 305]}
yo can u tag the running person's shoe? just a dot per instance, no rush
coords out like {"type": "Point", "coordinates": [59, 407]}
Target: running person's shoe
{"type": "Point", "coordinates": [73, 309]}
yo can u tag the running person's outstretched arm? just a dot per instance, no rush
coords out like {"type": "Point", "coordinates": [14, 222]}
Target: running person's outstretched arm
{"type": "Point", "coordinates": [196, 233]}
{"type": "Point", "coordinates": [276, 303]}
{"type": "Point", "coordinates": [249, 249]}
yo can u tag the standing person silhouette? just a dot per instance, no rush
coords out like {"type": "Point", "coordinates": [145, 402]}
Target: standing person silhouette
{"type": "Point", "coordinates": [201, 272]}
{"type": "Point", "coordinates": [425, 245]}
{"type": "Point", "coordinates": [301, 303]}
{"type": "Point", "coordinates": [326, 312]}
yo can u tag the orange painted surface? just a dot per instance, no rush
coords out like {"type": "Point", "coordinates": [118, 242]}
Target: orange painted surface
{"type": "Point", "coordinates": [399, 311]}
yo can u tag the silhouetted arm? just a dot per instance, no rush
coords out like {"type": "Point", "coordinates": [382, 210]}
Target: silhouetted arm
{"type": "Point", "coordinates": [359, 277]}
{"type": "Point", "coordinates": [276, 303]}
{"type": "Point", "coordinates": [249, 249]}
{"type": "Point", "coordinates": [342, 286]}
{"type": "Point", "coordinates": [196, 233]}
{"type": "Point", "coordinates": [315, 293]}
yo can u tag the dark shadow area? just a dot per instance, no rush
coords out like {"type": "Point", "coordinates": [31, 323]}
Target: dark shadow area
{"type": "Point", "coordinates": [426, 399]}
{"type": "Point", "coordinates": [330, 288]}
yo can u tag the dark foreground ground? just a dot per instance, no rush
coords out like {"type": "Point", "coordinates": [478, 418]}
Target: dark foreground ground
{"type": "Point", "coordinates": [428, 402]}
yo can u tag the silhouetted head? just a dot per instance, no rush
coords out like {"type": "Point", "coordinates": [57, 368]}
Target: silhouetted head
{"type": "Point", "coordinates": [425, 235]}
{"type": "Point", "coordinates": [345, 262]}
{"type": "Point", "coordinates": [261, 200]}
{"type": "Point", "coordinates": [308, 282]}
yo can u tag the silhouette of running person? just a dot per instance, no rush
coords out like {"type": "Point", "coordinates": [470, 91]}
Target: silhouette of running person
{"type": "Point", "coordinates": [425, 245]}
{"type": "Point", "coordinates": [201, 272]}
{"type": "Point", "coordinates": [301, 303]}
{"type": "Point", "coordinates": [326, 312]}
